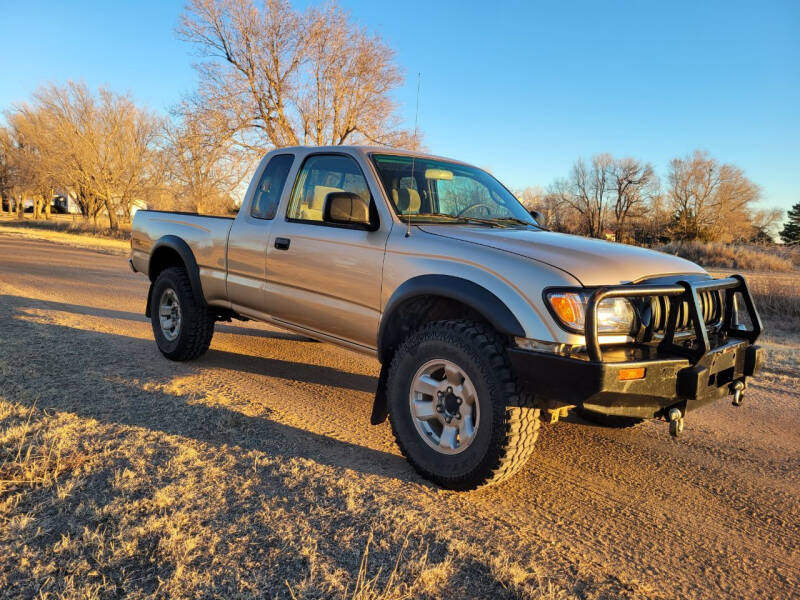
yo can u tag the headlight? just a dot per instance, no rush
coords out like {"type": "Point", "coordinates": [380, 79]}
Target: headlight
{"type": "Point", "coordinates": [614, 315]}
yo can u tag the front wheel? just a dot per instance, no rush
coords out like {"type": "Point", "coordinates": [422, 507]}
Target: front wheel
{"type": "Point", "coordinates": [456, 410]}
{"type": "Point", "coordinates": [182, 327]}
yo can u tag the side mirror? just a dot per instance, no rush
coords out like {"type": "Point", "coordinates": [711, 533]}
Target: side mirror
{"type": "Point", "coordinates": [346, 208]}
{"type": "Point", "coordinates": [536, 215]}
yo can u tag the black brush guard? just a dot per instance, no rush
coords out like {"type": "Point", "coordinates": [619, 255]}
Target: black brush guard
{"type": "Point", "coordinates": [685, 375]}
{"type": "Point", "coordinates": [682, 291]}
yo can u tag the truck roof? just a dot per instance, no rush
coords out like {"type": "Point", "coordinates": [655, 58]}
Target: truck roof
{"type": "Point", "coordinates": [366, 150]}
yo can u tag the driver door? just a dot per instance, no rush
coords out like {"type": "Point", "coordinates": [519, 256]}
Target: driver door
{"type": "Point", "coordinates": [324, 277]}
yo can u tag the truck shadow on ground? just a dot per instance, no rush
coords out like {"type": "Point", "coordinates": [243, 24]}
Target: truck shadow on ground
{"type": "Point", "coordinates": [124, 380]}
{"type": "Point", "coordinates": [107, 313]}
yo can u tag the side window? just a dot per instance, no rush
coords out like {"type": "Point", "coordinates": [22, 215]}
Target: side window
{"type": "Point", "coordinates": [321, 175]}
{"type": "Point", "coordinates": [268, 193]}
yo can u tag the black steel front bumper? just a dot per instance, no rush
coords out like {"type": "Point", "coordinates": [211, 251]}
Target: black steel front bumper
{"type": "Point", "coordinates": [675, 375]}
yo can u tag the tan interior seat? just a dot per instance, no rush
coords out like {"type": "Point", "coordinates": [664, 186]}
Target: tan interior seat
{"type": "Point", "coordinates": [312, 211]}
{"type": "Point", "coordinates": [406, 200]}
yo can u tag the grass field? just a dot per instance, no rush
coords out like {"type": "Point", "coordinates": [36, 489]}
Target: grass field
{"type": "Point", "coordinates": [743, 257]}
{"type": "Point", "coordinates": [62, 229]}
{"type": "Point", "coordinates": [75, 224]}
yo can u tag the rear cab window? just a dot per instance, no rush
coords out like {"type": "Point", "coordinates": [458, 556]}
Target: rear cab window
{"type": "Point", "coordinates": [268, 193]}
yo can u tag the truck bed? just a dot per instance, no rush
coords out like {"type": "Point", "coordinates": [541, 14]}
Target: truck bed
{"type": "Point", "coordinates": [206, 236]}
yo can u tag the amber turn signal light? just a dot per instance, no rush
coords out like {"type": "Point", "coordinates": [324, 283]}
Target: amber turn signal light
{"type": "Point", "coordinates": [630, 374]}
{"type": "Point", "coordinates": [568, 308]}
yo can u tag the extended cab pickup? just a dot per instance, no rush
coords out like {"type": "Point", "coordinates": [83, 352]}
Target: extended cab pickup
{"type": "Point", "coordinates": [481, 319]}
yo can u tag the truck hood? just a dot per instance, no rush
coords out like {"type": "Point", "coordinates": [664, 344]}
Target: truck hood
{"type": "Point", "coordinates": [591, 261]}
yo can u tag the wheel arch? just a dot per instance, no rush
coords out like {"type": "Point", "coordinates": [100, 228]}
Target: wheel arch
{"type": "Point", "coordinates": [431, 293]}
{"type": "Point", "coordinates": [172, 251]}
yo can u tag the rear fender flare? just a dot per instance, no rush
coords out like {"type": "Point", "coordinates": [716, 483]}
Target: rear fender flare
{"type": "Point", "coordinates": [182, 249]}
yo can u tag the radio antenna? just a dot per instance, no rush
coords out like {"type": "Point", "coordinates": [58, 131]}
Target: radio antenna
{"type": "Point", "coordinates": [414, 158]}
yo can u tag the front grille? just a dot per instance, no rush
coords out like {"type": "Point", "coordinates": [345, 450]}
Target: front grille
{"type": "Point", "coordinates": [656, 318]}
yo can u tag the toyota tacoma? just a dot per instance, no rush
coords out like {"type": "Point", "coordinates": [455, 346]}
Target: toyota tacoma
{"type": "Point", "coordinates": [484, 323]}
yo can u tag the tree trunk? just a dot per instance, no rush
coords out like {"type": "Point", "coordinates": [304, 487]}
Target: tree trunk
{"type": "Point", "coordinates": [113, 222]}
{"type": "Point", "coordinates": [48, 201]}
{"type": "Point", "coordinates": [20, 206]}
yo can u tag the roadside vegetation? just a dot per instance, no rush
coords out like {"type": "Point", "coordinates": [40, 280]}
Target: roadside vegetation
{"type": "Point", "coordinates": [69, 224]}
{"type": "Point", "coordinates": [778, 298]}
{"type": "Point", "coordinates": [734, 256]}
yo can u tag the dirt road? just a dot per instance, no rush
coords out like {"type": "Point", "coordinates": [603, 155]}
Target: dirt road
{"type": "Point", "coordinates": [254, 470]}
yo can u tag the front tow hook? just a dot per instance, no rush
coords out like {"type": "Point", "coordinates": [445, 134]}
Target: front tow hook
{"type": "Point", "coordinates": [676, 422]}
{"type": "Point", "coordinates": [737, 387]}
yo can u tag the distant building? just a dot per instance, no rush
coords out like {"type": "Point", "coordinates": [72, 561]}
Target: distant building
{"type": "Point", "coordinates": [65, 202]}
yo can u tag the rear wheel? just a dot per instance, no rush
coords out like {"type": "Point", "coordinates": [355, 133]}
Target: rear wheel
{"type": "Point", "coordinates": [182, 327]}
{"type": "Point", "coordinates": [457, 412]}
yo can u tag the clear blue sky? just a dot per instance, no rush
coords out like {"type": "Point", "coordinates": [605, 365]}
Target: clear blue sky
{"type": "Point", "coordinates": [521, 88]}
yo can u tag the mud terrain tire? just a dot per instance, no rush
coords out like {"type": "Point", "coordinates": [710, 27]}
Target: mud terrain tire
{"type": "Point", "coordinates": [507, 424]}
{"type": "Point", "coordinates": [195, 322]}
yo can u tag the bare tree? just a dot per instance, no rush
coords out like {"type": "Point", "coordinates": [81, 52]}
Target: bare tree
{"type": "Point", "coordinates": [631, 181]}
{"type": "Point", "coordinates": [556, 214]}
{"type": "Point", "coordinates": [710, 201]}
{"type": "Point", "coordinates": [764, 224]}
{"type": "Point", "coordinates": [202, 161]}
{"type": "Point", "coordinates": [31, 170]}
{"type": "Point", "coordinates": [99, 146]}
{"type": "Point", "coordinates": [531, 197]}
{"type": "Point", "coordinates": [278, 77]}
{"type": "Point", "coordinates": [587, 191]}
{"type": "Point", "coordinates": [6, 170]}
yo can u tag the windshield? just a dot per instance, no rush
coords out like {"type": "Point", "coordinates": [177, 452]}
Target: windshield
{"type": "Point", "coordinates": [422, 189]}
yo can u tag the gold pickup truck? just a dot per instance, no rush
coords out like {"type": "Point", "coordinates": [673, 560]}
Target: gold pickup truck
{"type": "Point", "coordinates": [481, 319]}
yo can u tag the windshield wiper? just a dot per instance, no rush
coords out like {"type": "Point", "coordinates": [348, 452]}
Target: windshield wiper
{"type": "Point", "coordinates": [446, 215]}
{"type": "Point", "coordinates": [516, 220]}
{"type": "Point", "coordinates": [437, 215]}
{"type": "Point", "coordinates": [456, 219]}
{"type": "Point", "coordinates": [489, 222]}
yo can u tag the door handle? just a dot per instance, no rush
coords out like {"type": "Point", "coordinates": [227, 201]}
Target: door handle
{"type": "Point", "coordinates": [282, 243]}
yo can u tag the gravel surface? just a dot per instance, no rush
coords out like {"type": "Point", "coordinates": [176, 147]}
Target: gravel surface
{"type": "Point", "coordinates": [254, 470]}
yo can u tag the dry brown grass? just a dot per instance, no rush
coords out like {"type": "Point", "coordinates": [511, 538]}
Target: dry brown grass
{"type": "Point", "coordinates": [94, 511]}
{"type": "Point", "coordinates": [74, 224]}
{"type": "Point", "coordinates": [731, 256]}
{"type": "Point", "coordinates": [27, 456]}
{"type": "Point", "coordinates": [116, 244]}
{"type": "Point", "coordinates": [777, 297]}
{"type": "Point", "coordinates": [136, 485]}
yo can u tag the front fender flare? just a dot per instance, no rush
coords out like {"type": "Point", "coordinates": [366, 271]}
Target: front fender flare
{"type": "Point", "coordinates": [462, 290]}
